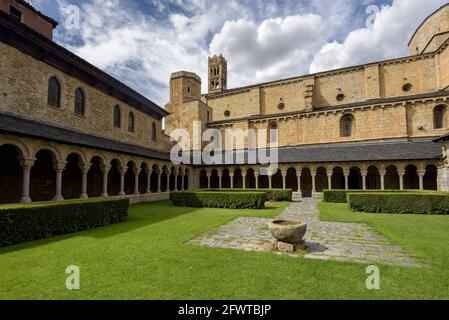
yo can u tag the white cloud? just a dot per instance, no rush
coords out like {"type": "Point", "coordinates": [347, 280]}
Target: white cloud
{"type": "Point", "coordinates": [274, 48]}
{"type": "Point", "coordinates": [386, 39]}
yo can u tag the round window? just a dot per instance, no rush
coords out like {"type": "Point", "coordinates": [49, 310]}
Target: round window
{"type": "Point", "coordinates": [281, 106]}
{"type": "Point", "coordinates": [340, 97]}
{"type": "Point", "coordinates": [227, 113]}
{"type": "Point", "coordinates": [407, 87]}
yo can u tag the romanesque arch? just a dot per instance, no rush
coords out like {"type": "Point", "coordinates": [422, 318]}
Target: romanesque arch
{"type": "Point", "coordinates": [411, 179]}
{"type": "Point", "coordinates": [373, 180]}
{"type": "Point", "coordinates": [11, 174]}
{"type": "Point", "coordinates": [338, 179]}
{"type": "Point", "coordinates": [292, 179]}
{"type": "Point", "coordinates": [250, 179]}
{"type": "Point", "coordinates": [43, 176]}
{"type": "Point", "coordinates": [430, 178]}
{"type": "Point", "coordinates": [306, 183]}
{"type": "Point", "coordinates": [72, 177]}
{"type": "Point", "coordinates": [392, 178]}
{"type": "Point", "coordinates": [95, 178]}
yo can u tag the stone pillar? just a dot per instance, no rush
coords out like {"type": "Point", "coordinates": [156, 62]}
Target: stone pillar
{"type": "Point", "coordinates": [122, 180]}
{"type": "Point", "coordinates": [231, 176]}
{"type": "Point", "coordinates": [149, 172]}
{"type": "Point", "coordinates": [364, 174]}
{"type": "Point", "coordinates": [59, 167]}
{"type": "Point", "coordinates": [159, 179]}
{"type": "Point", "coordinates": [209, 176]}
{"type": "Point", "coordinates": [168, 180]}
{"type": "Point", "coordinates": [85, 167]}
{"type": "Point", "coordinates": [298, 176]}
{"type": "Point", "coordinates": [176, 180]}
{"type": "Point", "coordinates": [346, 174]}
{"type": "Point", "coordinates": [382, 173]}
{"type": "Point", "coordinates": [136, 180]}
{"type": "Point", "coordinates": [244, 180]}
{"type": "Point", "coordinates": [313, 173]}
{"type": "Point", "coordinates": [105, 170]}
{"type": "Point", "coordinates": [401, 174]}
{"type": "Point", "coordinates": [220, 180]}
{"type": "Point", "coordinates": [329, 179]}
{"type": "Point", "coordinates": [183, 182]}
{"type": "Point", "coordinates": [26, 164]}
{"type": "Point", "coordinates": [256, 176]}
{"type": "Point", "coordinates": [270, 181]}
{"type": "Point", "coordinates": [284, 180]}
{"type": "Point", "coordinates": [421, 174]}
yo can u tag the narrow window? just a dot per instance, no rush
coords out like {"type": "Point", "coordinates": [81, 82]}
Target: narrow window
{"type": "Point", "coordinates": [80, 102]}
{"type": "Point", "coordinates": [272, 133]}
{"type": "Point", "coordinates": [153, 132]}
{"type": "Point", "coordinates": [131, 122]}
{"type": "Point", "coordinates": [117, 117]}
{"type": "Point", "coordinates": [54, 92]}
{"type": "Point", "coordinates": [439, 117]}
{"type": "Point", "coordinates": [346, 126]}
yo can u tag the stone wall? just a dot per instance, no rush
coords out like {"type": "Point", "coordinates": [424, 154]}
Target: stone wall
{"type": "Point", "coordinates": [24, 87]}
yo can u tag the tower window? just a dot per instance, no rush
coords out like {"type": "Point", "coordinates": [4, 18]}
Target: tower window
{"type": "Point", "coordinates": [15, 13]}
{"type": "Point", "coordinates": [117, 117]}
{"type": "Point", "coordinates": [340, 97]}
{"type": "Point", "coordinates": [272, 133]}
{"type": "Point", "coordinates": [227, 113]}
{"type": "Point", "coordinates": [407, 87]}
{"type": "Point", "coordinates": [153, 132]}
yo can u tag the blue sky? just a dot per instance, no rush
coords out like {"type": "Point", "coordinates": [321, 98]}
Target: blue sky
{"type": "Point", "coordinates": [141, 42]}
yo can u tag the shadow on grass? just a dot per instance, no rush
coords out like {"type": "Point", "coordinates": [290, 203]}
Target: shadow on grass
{"type": "Point", "coordinates": [140, 216]}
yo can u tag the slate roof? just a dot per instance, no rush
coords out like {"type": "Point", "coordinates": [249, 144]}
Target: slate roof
{"type": "Point", "coordinates": [17, 124]}
{"type": "Point", "coordinates": [399, 149]}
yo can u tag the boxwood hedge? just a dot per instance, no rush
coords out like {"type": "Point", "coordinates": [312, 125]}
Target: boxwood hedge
{"type": "Point", "coordinates": [226, 199]}
{"type": "Point", "coordinates": [340, 196]}
{"type": "Point", "coordinates": [21, 223]}
{"type": "Point", "coordinates": [400, 203]}
{"type": "Point", "coordinates": [272, 194]}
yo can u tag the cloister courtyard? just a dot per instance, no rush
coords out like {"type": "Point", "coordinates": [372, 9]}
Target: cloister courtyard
{"type": "Point", "coordinates": [153, 255]}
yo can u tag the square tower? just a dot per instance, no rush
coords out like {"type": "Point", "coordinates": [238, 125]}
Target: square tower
{"type": "Point", "coordinates": [218, 74]}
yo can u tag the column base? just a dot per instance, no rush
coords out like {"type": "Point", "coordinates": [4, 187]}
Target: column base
{"type": "Point", "coordinates": [25, 200]}
{"type": "Point", "coordinates": [136, 193]}
{"type": "Point", "coordinates": [58, 198]}
{"type": "Point", "coordinates": [84, 196]}
{"type": "Point", "coordinates": [105, 195]}
{"type": "Point", "coordinates": [317, 195]}
{"type": "Point", "coordinates": [122, 193]}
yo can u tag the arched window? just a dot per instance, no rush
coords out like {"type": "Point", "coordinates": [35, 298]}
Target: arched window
{"type": "Point", "coordinates": [80, 102]}
{"type": "Point", "coordinates": [117, 117]}
{"type": "Point", "coordinates": [131, 122]}
{"type": "Point", "coordinates": [153, 132]}
{"type": "Point", "coordinates": [346, 126]}
{"type": "Point", "coordinates": [439, 117]}
{"type": "Point", "coordinates": [54, 92]}
{"type": "Point", "coordinates": [272, 133]}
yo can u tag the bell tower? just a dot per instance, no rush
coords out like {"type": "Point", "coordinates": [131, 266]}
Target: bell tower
{"type": "Point", "coordinates": [218, 74]}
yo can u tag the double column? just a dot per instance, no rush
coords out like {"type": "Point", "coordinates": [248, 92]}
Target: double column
{"type": "Point", "coordinates": [27, 164]}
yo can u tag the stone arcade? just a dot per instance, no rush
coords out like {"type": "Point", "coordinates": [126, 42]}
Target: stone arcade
{"type": "Point", "coordinates": [69, 130]}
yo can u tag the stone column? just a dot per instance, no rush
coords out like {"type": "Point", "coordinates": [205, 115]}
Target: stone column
{"type": "Point", "coordinates": [149, 172]}
{"type": "Point", "coordinates": [183, 182]}
{"type": "Point", "coordinates": [159, 179]}
{"type": "Point", "coordinates": [313, 173]}
{"type": "Point", "coordinates": [220, 180]}
{"type": "Point", "coordinates": [209, 177]}
{"type": "Point", "coordinates": [136, 180]}
{"type": "Point", "coordinates": [270, 181]}
{"type": "Point", "coordinates": [284, 180]}
{"type": "Point", "coordinates": [168, 180]}
{"type": "Point", "coordinates": [382, 173]}
{"type": "Point", "coordinates": [421, 174]}
{"type": "Point", "coordinates": [401, 174]}
{"type": "Point", "coordinates": [59, 167]}
{"type": "Point", "coordinates": [346, 174]}
{"type": "Point", "coordinates": [244, 180]}
{"type": "Point", "coordinates": [364, 173]}
{"type": "Point", "coordinates": [298, 176]}
{"type": "Point", "coordinates": [85, 167]}
{"type": "Point", "coordinates": [105, 170]}
{"type": "Point", "coordinates": [122, 180]}
{"type": "Point", "coordinates": [176, 180]}
{"type": "Point", "coordinates": [256, 176]}
{"type": "Point", "coordinates": [26, 164]}
{"type": "Point", "coordinates": [329, 179]}
{"type": "Point", "coordinates": [231, 176]}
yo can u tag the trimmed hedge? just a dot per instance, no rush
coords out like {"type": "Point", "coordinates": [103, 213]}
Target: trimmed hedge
{"type": "Point", "coordinates": [227, 199]}
{"type": "Point", "coordinates": [340, 196]}
{"type": "Point", "coordinates": [22, 223]}
{"type": "Point", "coordinates": [400, 203]}
{"type": "Point", "coordinates": [272, 194]}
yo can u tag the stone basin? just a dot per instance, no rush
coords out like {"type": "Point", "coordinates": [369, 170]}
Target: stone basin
{"type": "Point", "coordinates": [288, 231]}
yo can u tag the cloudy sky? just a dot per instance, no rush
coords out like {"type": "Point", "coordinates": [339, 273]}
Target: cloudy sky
{"type": "Point", "coordinates": [141, 42]}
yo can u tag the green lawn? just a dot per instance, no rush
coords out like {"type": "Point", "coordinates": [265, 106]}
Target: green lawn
{"type": "Point", "coordinates": [146, 258]}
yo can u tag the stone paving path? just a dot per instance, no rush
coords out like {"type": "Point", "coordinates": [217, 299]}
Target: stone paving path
{"type": "Point", "coordinates": [324, 240]}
